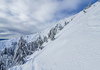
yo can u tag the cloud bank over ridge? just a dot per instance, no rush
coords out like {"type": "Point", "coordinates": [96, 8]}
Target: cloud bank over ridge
{"type": "Point", "coordinates": [21, 17]}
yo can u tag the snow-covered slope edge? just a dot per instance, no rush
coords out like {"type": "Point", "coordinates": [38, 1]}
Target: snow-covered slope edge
{"type": "Point", "coordinates": [76, 47]}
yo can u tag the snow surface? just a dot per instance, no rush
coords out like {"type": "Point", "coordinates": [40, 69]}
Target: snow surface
{"type": "Point", "coordinates": [76, 47]}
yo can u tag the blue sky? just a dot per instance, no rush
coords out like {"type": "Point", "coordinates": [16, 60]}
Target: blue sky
{"type": "Point", "coordinates": [24, 17]}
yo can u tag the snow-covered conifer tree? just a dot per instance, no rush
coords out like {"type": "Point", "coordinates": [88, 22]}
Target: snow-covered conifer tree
{"type": "Point", "coordinates": [39, 42]}
{"type": "Point", "coordinates": [21, 51]}
{"type": "Point", "coordinates": [45, 39]}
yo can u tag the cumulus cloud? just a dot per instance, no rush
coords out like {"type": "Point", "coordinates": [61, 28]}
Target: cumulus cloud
{"type": "Point", "coordinates": [21, 17]}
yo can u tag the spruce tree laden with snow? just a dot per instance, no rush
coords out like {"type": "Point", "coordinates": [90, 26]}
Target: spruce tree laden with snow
{"type": "Point", "coordinates": [35, 44]}
{"type": "Point", "coordinates": [40, 42]}
{"type": "Point", "coordinates": [31, 47]}
{"type": "Point", "coordinates": [60, 27]}
{"type": "Point", "coordinates": [52, 33]}
{"type": "Point", "coordinates": [89, 5]}
{"type": "Point", "coordinates": [45, 39]}
{"type": "Point", "coordinates": [5, 62]}
{"type": "Point", "coordinates": [66, 23]}
{"type": "Point", "coordinates": [5, 51]}
{"type": "Point", "coordinates": [6, 58]}
{"type": "Point", "coordinates": [21, 52]}
{"type": "Point", "coordinates": [84, 11]}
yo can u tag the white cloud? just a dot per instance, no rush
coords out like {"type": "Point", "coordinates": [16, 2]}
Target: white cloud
{"type": "Point", "coordinates": [20, 17]}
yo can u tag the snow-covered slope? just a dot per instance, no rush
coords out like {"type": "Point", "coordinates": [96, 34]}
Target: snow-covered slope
{"type": "Point", "coordinates": [76, 47]}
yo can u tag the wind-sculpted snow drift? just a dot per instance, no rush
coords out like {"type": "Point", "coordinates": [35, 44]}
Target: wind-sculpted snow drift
{"type": "Point", "coordinates": [72, 44]}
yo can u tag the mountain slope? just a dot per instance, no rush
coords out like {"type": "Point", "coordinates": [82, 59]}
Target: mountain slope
{"type": "Point", "coordinates": [76, 47]}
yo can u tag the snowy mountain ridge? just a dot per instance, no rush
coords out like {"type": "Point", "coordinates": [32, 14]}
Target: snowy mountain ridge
{"type": "Point", "coordinates": [75, 47]}
{"type": "Point", "coordinates": [15, 51]}
{"type": "Point", "coordinates": [7, 43]}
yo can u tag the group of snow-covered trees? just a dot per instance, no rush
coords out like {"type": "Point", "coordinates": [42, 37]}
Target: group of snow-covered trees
{"type": "Point", "coordinates": [55, 30]}
{"type": "Point", "coordinates": [6, 57]}
{"type": "Point", "coordinates": [16, 54]}
{"type": "Point", "coordinates": [24, 49]}
{"type": "Point", "coordinates": [20, 52]}
{"type": "Point", "coordinates": [89, 5]}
